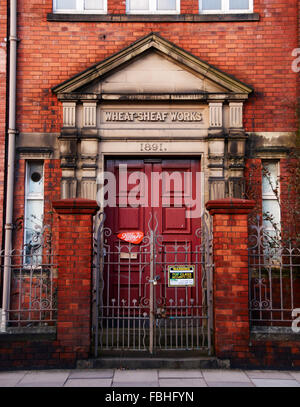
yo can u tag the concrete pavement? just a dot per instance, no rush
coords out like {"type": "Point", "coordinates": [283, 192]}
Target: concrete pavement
{"type": "Point", "coordinates": [150, 378]}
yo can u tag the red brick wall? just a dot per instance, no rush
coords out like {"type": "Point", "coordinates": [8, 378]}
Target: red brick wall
{"type": "Point", "coordinates": [116, 7]}
{"type": "Point", "coordinates": [49, 353]}
{"type": "Point", "coordinates": [75, 225]}
{"type": "Point", "coordinates": [231, 322]}
{"type": "Point", "coordinates": [30, 353]}
{"type": "Point", "coordinates": [19, 202]}
{"type": "Point", "coordinates": [258, 53]}
{"type": "Point", "coordinates": [280, 354]}
{"type": "Point", "coordinates": [290, 197]}
{"type": "Point", "coordinates": [189, 7]}
{"type": "Point", "coordinates": [230, 276]}
{"type": "Point", "coordinates": [253, 177]}
{"type": "Point", "coordinates": [298, 76]}
{"type": "Point", "coordinates": [3, 48]}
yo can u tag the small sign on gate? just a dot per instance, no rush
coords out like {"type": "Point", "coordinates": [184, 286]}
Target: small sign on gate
{"type": "Point", "coordinates": [134, 236]}
{"type": "Point", "coordinates": [181, 276]}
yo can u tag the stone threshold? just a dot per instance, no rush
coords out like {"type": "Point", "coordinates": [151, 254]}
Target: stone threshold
{"type": "Point", "coordinates": [153, 362]}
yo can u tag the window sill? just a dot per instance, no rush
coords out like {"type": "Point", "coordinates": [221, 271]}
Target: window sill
{"type": "Point", "coordinates": [33, 334]}
{"type": "Point", "coordinates": [169, 18]}
{"type": "Point", "coordinates": [273, 333]}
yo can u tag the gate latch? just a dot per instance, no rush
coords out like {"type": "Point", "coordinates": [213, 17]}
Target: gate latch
{"type": "Point", "coordinates": [154, 281]}
{"type": "Point", "coordinates": [160, 313]}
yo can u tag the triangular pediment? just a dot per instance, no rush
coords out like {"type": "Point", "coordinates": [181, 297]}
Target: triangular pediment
{"type": "Point", "coordinates": [152, 65]}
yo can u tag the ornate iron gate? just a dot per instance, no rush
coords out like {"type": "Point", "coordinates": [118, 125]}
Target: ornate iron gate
{"type": "Point", "coordinates": [137, 307]}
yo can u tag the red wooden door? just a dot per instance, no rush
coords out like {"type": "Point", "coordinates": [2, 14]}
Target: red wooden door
{"type": "Point", "coordinates": [146, 198]}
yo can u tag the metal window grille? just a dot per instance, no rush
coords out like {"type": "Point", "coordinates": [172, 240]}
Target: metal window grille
{"type": "Point", "coordinates": [33, 272]}
{"type": "Point", "coordinates": [274, 279]}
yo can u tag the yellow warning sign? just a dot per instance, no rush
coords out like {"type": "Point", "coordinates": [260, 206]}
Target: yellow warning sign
{"type": "Point", "coordinates": [181, 276]}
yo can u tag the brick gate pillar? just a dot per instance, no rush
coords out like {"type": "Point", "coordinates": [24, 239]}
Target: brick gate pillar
{"type": "Point", "coordinates": [75, 230]}
{"type": "Point", "coordinates": [230, 281]}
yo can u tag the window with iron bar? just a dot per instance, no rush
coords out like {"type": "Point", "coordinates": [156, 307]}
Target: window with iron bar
{"type": "Point", "coordinates": [80, 6]}
{"type": "Point", "coordinates": [270, 197]}
{"type": "Point", "coordinates": [225, 6]}
{"type": "Point", "coordinates": [153, 6]}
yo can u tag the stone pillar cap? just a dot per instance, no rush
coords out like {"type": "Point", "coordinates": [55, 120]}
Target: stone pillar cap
{"type": "Point", "coordinates": [230, 205]}
{"type": "Point", "coordinates": [76, 206]}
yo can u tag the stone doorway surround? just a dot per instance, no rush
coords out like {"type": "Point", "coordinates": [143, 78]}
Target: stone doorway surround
{"type": "Point", "coordinates": [152, 98]}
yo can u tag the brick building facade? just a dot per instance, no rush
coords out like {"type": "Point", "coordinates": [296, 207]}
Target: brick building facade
{"type": "Point", "coordinates": [101, 81]}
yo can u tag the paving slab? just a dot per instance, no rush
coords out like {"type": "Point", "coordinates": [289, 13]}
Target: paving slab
{"type": "Point", "coordinates": [88, 382]}
{"type": "Point", "coordinates": [168, 373]}
{"type": "Point", "coordinates": [135, 384]}
{"type": "Point", "coordinates": [225, 375]}
{"type": "Point", "coordinates": [192, 382]}
{"type": "Point", "coordinates": [136, 376]}
{"type": "Point", "coordinates": [51, 378]}
{"type": "Point", "coordinates": [230, 384]}
{"type": "Point", "coordinates": [275, 383]}
{"type": "Point", "coordinates": [268, 374]}
{"type": "Point", "coordinates": [11, 379]}
{"type": "Point", "coordinates": [295, 375]}
{"type": "Point", "coordinates": [91, 374]}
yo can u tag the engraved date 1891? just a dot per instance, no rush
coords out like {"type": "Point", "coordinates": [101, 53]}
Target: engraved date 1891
{"type": "Point", "coordinates": [153, 147]}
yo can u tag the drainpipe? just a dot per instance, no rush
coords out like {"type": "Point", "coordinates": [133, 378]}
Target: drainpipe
{"type": "Point", "coordinates": [8, 228]}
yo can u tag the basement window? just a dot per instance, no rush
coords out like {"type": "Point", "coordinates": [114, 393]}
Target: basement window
{"type": "Point", "coordinates": [225, 6]}
{"type": "Point", "coordinates": [153, 6]}
{"type": "Point", "coordinates": [271, 198]}
{"type": "Point", "coordinates": [34, 211]}
{"type": "Point", "coordinates": [80, 6]}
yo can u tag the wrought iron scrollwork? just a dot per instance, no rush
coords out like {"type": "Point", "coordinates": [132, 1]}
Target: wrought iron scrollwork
{"type": "Point", "coordinates": [136, 319]}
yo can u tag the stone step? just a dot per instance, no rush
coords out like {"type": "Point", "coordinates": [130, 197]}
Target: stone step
{"type": "Point", "coordinates": [154, 362]}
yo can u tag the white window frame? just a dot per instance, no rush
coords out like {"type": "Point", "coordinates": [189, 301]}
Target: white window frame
{"type": "Point", "coordinates": [152, 9]}
{"type": "Point", "coordinates": [32, 197]}
{"type": "Point", "coordinates": [80, 8]}
{"type": "Point", "coordinates": [225, 8]}
{"type": "Point", "coordinates": [271, 196]}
